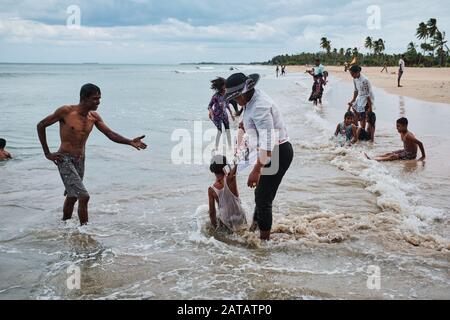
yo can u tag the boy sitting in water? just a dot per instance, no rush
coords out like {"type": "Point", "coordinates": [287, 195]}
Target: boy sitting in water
{"type": "Point", "coordinates": [224, 191]}
{"type": "Point", "coordinates": [4, 155]}
{"type": "Point", "coordinates": [346, 131]}
{"type": "Point", "coordinates": [410, 143]}
{"type": "Point", "coordinates": [368, 133]}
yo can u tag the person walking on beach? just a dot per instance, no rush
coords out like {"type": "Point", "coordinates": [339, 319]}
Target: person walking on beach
{"type": "Point", "coordinates": [217, 110]}
{"type": "Point", "coordinates": [283, 70]}
{"type": "Point", "coordinates": [75, 124]}
{"type": "Point", "coordinates": [4, 155]}
{"type": "Point", "coordinates": [363, 96]}
{"type": "Point", "coordinates": [384, 67]}
{"type": "Point", "coordinates": [401, 69]}
{"type": "Point", "coordinates": [277, 70]}
{"type": "Point", "coordinates": [410, 145]}
{"type": "Point", "coordinates": [264, 124]}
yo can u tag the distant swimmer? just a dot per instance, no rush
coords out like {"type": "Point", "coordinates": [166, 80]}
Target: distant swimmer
{"type": "Point", "coordinates": [75, 124]}
{"type": "Point", "coordinates": [410, 145]}
{"type": "Point", "coordinates": [224, 192]}
{"type": "Point", "coordinates": [4, 155]}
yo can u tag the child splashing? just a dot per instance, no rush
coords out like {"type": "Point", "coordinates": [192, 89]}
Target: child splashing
{"type": "Point", "coordinates": [231, 215]}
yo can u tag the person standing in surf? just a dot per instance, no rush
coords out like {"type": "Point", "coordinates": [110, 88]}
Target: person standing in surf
{"type": "Point", "coordinates": [363, 96]}
{"type": "Point", "coordinates": [217, 110]}
{"type": "Point", "coordinates": [75, 124]}
{"type": "Point", "coordinates": [263, 123]}
{"type": "Point", "coordinates": [401, 69]}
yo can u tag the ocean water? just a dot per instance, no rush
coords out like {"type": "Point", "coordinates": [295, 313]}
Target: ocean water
{"type": "Point", "coordinates": [344, 227]}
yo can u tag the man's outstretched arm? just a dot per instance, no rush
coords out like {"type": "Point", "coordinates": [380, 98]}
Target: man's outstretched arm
{"type": "Point", "coordinates": [42, 125]}
{"type": "Point", "coordinates": [117, 138]}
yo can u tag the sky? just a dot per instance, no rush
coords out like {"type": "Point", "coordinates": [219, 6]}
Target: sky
{"type": "Point", "coordinates": [183, 31]}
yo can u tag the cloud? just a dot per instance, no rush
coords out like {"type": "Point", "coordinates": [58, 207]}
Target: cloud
{"type": "Point", "coordinates": [214, 30]}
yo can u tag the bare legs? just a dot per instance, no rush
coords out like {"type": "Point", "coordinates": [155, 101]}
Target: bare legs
{"type": "Point", "coordinates": [69, 205]}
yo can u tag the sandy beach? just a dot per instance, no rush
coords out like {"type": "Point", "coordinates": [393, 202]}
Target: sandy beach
{"type": "Point", "coordinates": [428, 84]}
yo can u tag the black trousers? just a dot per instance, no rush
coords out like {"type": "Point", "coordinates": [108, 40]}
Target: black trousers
{"type": "Point", "coordinates": [268, 185]}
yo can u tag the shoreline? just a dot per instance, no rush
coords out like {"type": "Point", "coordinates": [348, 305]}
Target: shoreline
{"type": "Point", "coordinates": [426, 84]}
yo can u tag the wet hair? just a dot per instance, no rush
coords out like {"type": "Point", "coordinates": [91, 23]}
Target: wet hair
{"type": "Point", "coordinates": [217, 84]}
{"type": "Point", "coordinates": [88, 90]}
{"type": "Point", "coordinates": [217, 164]}
{"type": "Point", "coordinates": [355, 68]}
{"type": "Point", "coordinates": [403, 121]}
{"type": "Point", "coordinates": [2, 143]}
{"type": "Point", "coordinates": [349, 114]}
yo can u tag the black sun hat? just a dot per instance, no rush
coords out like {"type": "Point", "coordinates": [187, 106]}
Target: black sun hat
{"type": "Point", "coordinates": [239, 83]}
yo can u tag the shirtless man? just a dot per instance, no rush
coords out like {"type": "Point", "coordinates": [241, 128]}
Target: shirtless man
{"type": "Point", "coordinates": [410, 143]}
{"type": "Point", "coordinates": [75, 125]}
{"type": "Point", "coordinates": [4, 155]}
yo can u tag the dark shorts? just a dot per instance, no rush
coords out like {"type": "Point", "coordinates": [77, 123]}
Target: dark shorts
{"type": "Point", "coordinates": [405, 155]}
{"type": "Point", "coordinates": [71, 170]}
{"type": "Point", "coordinates": [364, 135]}
{"type": "Point", "coordinates": [360, 116]}
{"type": "Point", "coordinates": [371, 118]}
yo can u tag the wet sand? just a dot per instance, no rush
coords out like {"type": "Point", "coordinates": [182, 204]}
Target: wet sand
{"type": "Point", "coordinates": [428, 84]}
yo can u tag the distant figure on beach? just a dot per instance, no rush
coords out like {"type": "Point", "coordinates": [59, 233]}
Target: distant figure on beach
{"type": "Point", "coordinates": [217, 110]}
{"type": "Point", "coordinates": [317, 89]}
{"type": "Point", "coordinates": [363, 96]}
{"type": "Point", "coordinates": [283, 70]}
{"type": "Point", "coordinates": [410, 145]}
{"type": "Point", "coordinates": [346, 131]}
{"type": "Point", "coordinates": [75, 124]}
{"type": "Point", "coordinates": [4, 155]}
{"type": "Point", "coordinates": [277, 70]}
{"type": "Point", "coordinates": [384, 67]}
{"type": "Point", "coordinates": [224, 191]}
{"type": "Point", "coordinates": [263, 122]}
{"type": "Point", "coordinates": [401, 69]}
{"type": "Point", "coordinates": [368, 133]}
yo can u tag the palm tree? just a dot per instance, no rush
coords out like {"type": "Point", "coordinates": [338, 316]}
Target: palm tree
{"type": "Point", "coordinates": [369, 43]}
{"type": "Point", "coordinates": [422, 33]}
{"type": "Point", "coordinates": [335, 51]}
{"type": "Point", "coordinates": [440, 45]}
{"type": "Point", "coordinates": [432, 27]}
{"type": "Point", "coordinates": [325, 44]}
{"type": "Point", "coordinates": [348, 52]}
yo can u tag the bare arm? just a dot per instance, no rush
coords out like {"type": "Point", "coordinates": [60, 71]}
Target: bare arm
{"type": "Point", "coordinates": [117, 138]}
{"type": "Point", "coordinates": [355, 95]}
{"type": "Point", "coordinates": [212, 207]}
{"type": "Point", "coordinates": [420, 144]}
{"type": "Point", "coordinates": [43, 124]}
{"type": "Point", "coordinates": [337, 130]}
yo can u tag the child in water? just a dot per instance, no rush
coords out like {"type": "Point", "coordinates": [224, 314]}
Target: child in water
{"type": "Point", "coordinates": [231, 215]}
{"type": "Point", "coordinates": [317, 89]}
{"type": "Point", "coordinates": [410, 145]}
{"type": "Point", "coordinates": [346, 131]}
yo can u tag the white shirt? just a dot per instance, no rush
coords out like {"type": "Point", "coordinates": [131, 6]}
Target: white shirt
{"type": "Point", "coordinates": [263, 122]}
{"type": "Point", "coordinates": [364, 89]}
{"type": "Point", "coordinates": [318, 69]}
{"type": "Point", "coordinates": [401, 64]}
